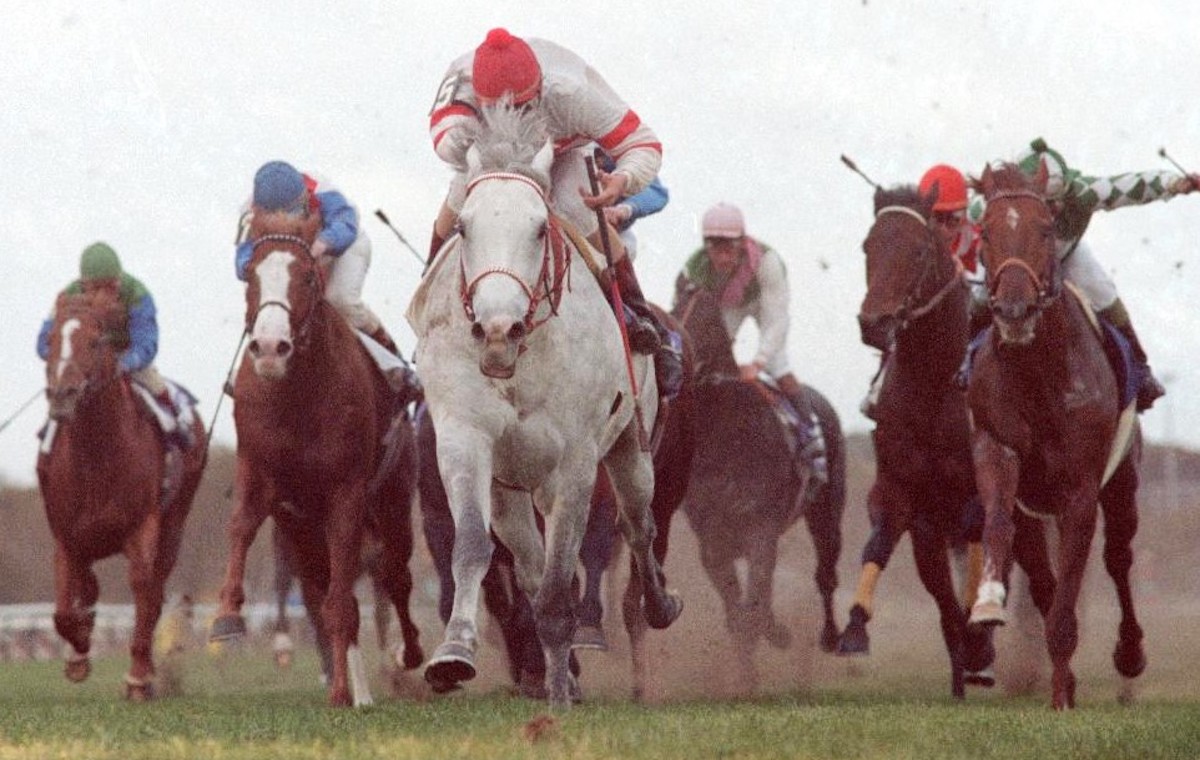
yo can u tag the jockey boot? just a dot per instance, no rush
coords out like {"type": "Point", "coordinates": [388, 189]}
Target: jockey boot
{"type": "Point", "coordinates": [382, 337]}
{"type": "Point", "coordinates": [811, 443]}
{"type": "Point", "coordinates": [648, 334]}
{"type": "Point", "coordinates": [1149, 389]}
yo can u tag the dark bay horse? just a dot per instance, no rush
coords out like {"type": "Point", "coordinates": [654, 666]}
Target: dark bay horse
{"type": "Point", "coordinates": [916, 311]}
{"type": "Point", "coordinates": [745, 489]}
{"type": "Point", "coordinates": [672, 456]}
{"type": "Point", "coordinates": [1052, 429]}
{"type": "Point", "coordinates": [323, 448]}
{"type": "Point", "coordinates": [102, 474]}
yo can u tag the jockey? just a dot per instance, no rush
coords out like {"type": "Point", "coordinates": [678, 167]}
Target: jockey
{"type": "Point", "coordinates": [750, 280]}
{"type": "Point", "coordinates": [650, 200]}
{"type": "Point", "coordinates": [342, 249]}
{"type": "Point", "coordinates": [99, 268]}
{"type": "Point", "coordinates": [579, 108]}
{"type": "Point", "coordinates": [1074, 197]}
{"type": "Point", "coordinates": [960, 233]}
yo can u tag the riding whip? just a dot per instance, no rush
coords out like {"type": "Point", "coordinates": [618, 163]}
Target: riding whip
{"type": "Point", "coordinates": [617, 302]}
{"type": "Point", "coordinates": [854, 168]}
{"type": "Point", "coordinates": [383, 218]}
{"type": "Point", "coordinates": [20, 409]}
{"type": "Point", "coordinates": [1163, 152]}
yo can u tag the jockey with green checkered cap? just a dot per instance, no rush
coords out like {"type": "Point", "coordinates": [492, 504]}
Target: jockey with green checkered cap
{"type": "Point", "coordinates": [1074, 197]}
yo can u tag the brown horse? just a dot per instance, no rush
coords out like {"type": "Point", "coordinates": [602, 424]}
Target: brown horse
{"type": "Point", "coordinates": [672, 446]}
{"type": "Point", "coordinates": [323, 448]}
{"type": "Point", "coordinates": [103, 476]}
{"type": "Point", "coordinates": [1049, 429]}
{"type": "Point", "coordinates": [916, 311]}
{"type": "Point", "coordinates": [745, 490]}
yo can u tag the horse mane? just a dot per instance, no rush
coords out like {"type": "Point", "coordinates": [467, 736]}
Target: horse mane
{"type": "Point", "coordinates": [506, 140]}
{"type": "Point", "coordinates": [907, 196]}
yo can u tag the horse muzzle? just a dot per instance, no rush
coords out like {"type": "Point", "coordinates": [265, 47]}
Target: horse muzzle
{"type": "Point", "coordinates": [502, 343]}
{"type": "Point", "coordinates": [270, 356]}
{"type": "Point", "coordinates": [63, 401]}
{"type": "Point", "coordinates": [878, 331]}
{"type": "Point", "coordinates": [1016, 321]}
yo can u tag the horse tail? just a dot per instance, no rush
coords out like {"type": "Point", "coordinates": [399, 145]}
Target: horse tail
{"type": "Point", "coordinates": [834, 492]}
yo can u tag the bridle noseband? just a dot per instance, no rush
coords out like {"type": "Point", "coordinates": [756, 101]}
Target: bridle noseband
{"type": "Point", "coordinates": [317, 283]}
{"type": "Point", "coordinates": [555, 269]}
{"type": "Point", "coordinates": [1049, 287]}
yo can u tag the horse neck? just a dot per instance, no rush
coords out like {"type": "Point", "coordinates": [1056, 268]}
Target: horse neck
{"type": "Point", "coordinates": [934, 343]}
{"type": "Point", "coordinates": [103, 419]}
{"type": "Point", "coordinates": [318, 358]}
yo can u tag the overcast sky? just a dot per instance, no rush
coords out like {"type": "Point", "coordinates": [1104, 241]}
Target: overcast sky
{"type": "Point", "coordinates": [141, 123]}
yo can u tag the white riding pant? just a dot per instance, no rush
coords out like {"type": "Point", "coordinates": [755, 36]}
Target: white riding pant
{"type": "Point", "coordinates": [1082, 268]}
{"type": "Point", "coordinates": [344, 289]}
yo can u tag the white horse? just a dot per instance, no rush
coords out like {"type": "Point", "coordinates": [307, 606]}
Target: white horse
{"type": "Point", "coordinates": [528, 388]}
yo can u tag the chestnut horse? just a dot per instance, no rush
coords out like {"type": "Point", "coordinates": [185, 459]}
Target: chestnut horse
{"type": "Point", "coordinates": [1051, 428]}
{"type": "Point", "coordinates": [745, 490]}
{"type": "Point", "coordinates": [504, 600]}
{"type": "Point", "coordinates": [323, 448]}
{"type": "Point", "coordinates": [103, 474]}
{"type": "Point", "coordinates": [916, 311]}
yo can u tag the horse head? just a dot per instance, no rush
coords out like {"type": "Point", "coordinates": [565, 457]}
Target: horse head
{"type": "Point", "coordinates": [510, 248]}
{"type": "Point", "coordinates": [908, 265]}
{"type": "Point", "coordinates": [1018, 250]}
{"type": "Point", "coordinates": [85, 344]}
{"type": "Point", "coordinates": [699, 314]}
{"type": "Point", "coordinates": [285, 285]}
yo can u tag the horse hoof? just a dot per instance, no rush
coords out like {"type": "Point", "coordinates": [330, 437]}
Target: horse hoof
{"type": "Point", "coordinates": [451, 664]}
{"type": "Point", "coordinates": [590, 637]}
{"type": "Point", "coordinates": [533, 685]}
{"type": "Point", "coordinates": [227, 627]}
{"type": "Point", "coordinates": [78, 669]}
{"type": "Point", "coordinates": [985, 678]}
{"type": "Point", "coordinates": [829, 638]}
{"type": "Point", "coordinates": [413, 657]}
{"type": "Point", "coordinates": [137, 690]}
{"type": "Point", "coordinates": [1129, 660]}
{"type": "Point", "coordinates": [988, 614]}
{"type": "Point", "coordinates": [661, 616]}
{"type": "Point", "coordinates": [854, 641]}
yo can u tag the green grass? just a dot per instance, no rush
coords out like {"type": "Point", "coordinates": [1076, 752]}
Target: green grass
{"type": "Point", "coordinates": [241, 707]}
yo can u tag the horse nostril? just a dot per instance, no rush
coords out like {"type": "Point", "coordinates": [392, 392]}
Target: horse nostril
{"type": "Point", "coordinates": [254, 348]}
{"type": "Point", "coordinates": [477, 331]}
{"type": "Point", "coordinates": [284, 349]}
{"type": "Point", "coordinates": [517, 331]}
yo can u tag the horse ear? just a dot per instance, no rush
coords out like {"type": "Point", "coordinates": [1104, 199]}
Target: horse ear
{"type": "Point", "coordinates": [544, 158]}
{"type": "Point", "coordinates": [1042, 177]}
{"type": "Point", "coordinates": [878, 199]}
{"type": "Point", "coordinates": [987, 183]}
{"type": "Point", "coordinates": [930, 198]}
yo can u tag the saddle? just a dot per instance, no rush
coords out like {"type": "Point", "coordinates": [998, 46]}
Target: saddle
{"type": "Point", "coordinates": [788, 416]}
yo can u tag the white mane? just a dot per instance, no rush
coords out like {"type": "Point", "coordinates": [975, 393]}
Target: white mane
{"type": "Point", "coordinates": [507, 140]}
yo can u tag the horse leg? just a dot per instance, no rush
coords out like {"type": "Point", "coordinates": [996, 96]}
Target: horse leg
{"type": "Point", "coordinates": [717, 558]}
{"type": "Point", "coordinates": [74, 614]}
{"type": "Point", "coordinates": [344, 533]}
{"type": "Point", "coordinates": [147, 587]}
{"type": "Point", "coordinates": [247, 516]}
{"type": "Point", "coordinates": [823, 520]}
{"type": "Point", "coordinates": [465, 463]}
{"type": "Point", "coordinates": [512, 611]}
{"type": "Point", "coordinates": [1077, 526]}
{"type": "Point", "coordinates": [632, 476]}
{"type": "Point", "coordinates": [997, 471]}
{"type": "Point", "coordinates": [594, 555]}
{"type": "Point", "coordinates": [282, 644]}
{"type": "Point", "coordinates": [933, 568]}
{"type": "Point", "coordinates": [393, 582]}
{"type": "Point", "coordinates": [1118, 500]}
{"type": "Point", "coordinates": [555, 602]}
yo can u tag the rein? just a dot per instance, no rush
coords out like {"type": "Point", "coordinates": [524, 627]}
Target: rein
{"type": "Point", "coordinates": [1048, 289]}
{"type": "Point", "coordinates": [555, 269]}
{"type": "Point", "coordinates": [908, 311]}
